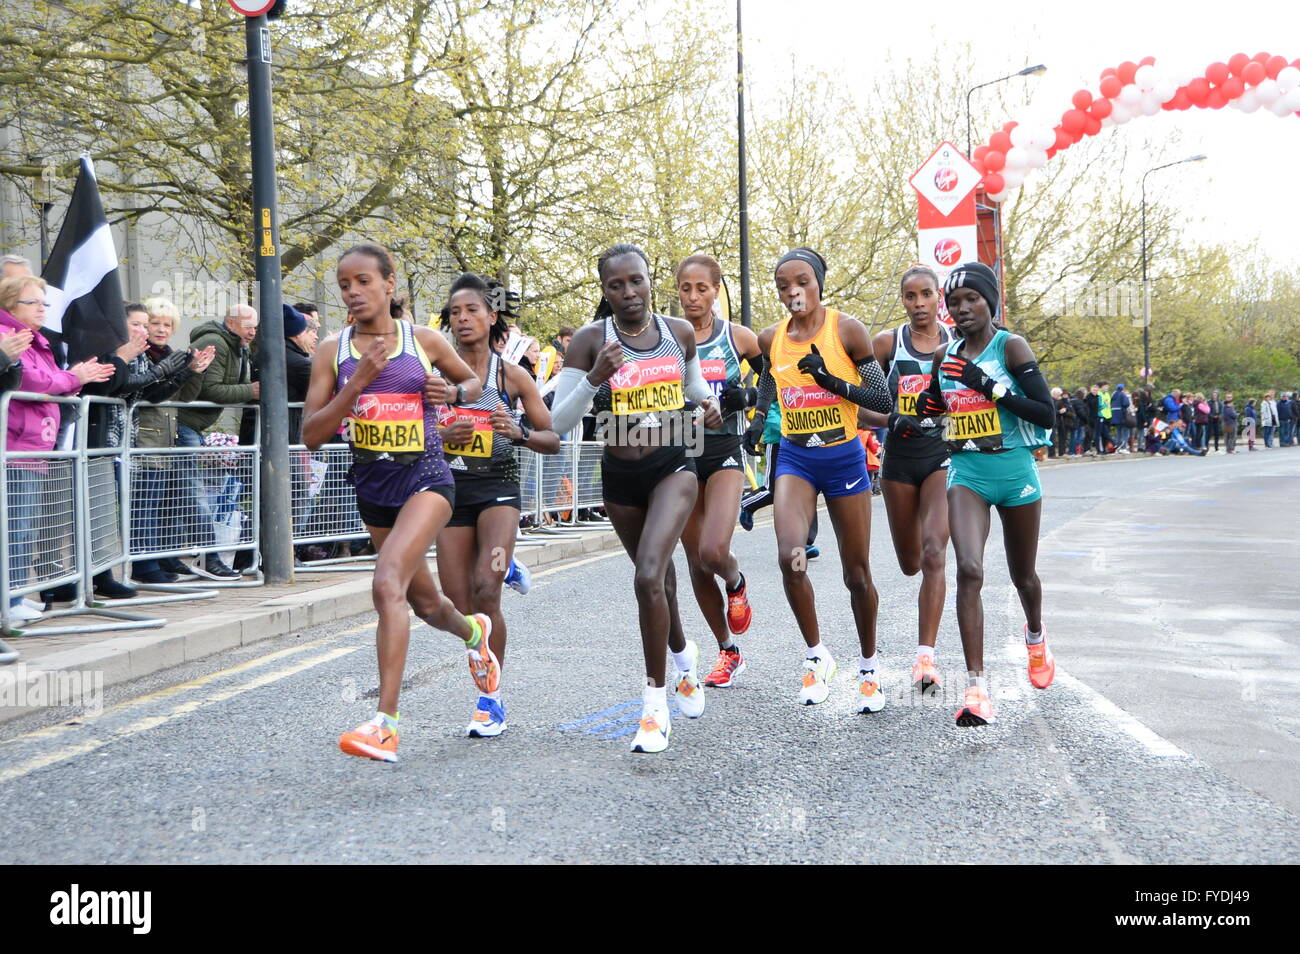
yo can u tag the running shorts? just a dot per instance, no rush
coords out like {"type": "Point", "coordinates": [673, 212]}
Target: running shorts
{"type": "Point", "coordinates": [630, 482]}
{"type": "Point", "coordinates": [836, 471]}
{"type": "Point", "coordinates": [721, 452]}
{"type": "Point", "coordinates": [912, 470]}
{"type": "Point", "coordinates": [1009, 479]}
{"type": "Point", "coordinates": [378, 515]}
{"type": "Point", "coordinates": [476, 494]}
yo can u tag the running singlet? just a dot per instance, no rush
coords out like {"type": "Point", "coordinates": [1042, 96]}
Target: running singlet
{"type": "Point", "coordinates": [909, 375]}
{"type": "Point", "coordinates": [976, 423]}
{"type": "Point", "coordinates": [648, 382]}
{"type": "Point", "coordinates": [720, 363]}
{"type": "Point", "coordinates": [391, 418]}
{"type": "Point", "coordinates": [486, 453]}
{"type": "Point", "coordinates": [810, 415]}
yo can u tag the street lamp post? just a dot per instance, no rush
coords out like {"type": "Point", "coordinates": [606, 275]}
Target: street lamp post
{"type": "Point", "coordinates": [1146, 281]}
{"type": "Point", "coordinates": [746, 314]}
{"type": "Point", "coordinates": [1027, 71]}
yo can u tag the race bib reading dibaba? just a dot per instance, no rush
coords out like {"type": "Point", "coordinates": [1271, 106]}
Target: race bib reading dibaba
{"type": "Point", "coordinates": [387, 423]}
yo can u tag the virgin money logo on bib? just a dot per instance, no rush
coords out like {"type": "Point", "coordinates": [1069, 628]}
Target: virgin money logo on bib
{"type": "Point", "coordinates": [909, 387]}
{"type": "Point", "coordinates": [806, 396]}
{"type": "Point", "coordinates": [714, 369]}
{"type": "Point", "coordinates": [388, 407]}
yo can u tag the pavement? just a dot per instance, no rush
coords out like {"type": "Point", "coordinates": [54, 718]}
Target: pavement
{"type": "Point", "coordinates": [1164, 740]}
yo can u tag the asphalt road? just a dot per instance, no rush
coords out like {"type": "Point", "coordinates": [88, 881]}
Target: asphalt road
{"type": "Point", "coordinates": [1169, 736]}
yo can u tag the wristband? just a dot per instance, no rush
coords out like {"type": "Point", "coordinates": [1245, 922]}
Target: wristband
{"type": "Point", "coordinates": [525, 432]}
{"type": "Point", "coordinates": [460, 395]}
{"type": "Point", "coordinates": [999, 391]}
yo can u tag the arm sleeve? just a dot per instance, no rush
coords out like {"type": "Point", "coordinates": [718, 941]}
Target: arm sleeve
{"type": "Point", "coordinates": [573, 397]}
{"type": "Point", "coordinates": [696, 388]}
{"type": "Point", "coordinates": [1035, 405]}
{"type": "Point", "coordinates": [766, 393]}
{"type": "Point", "coordinates": [873, 392]}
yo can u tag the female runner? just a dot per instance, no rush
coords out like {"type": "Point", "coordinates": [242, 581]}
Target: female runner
{"type": "Point", "coordinates": [479, 441]}
{"type": "Point", "coordinates": [639, 369]}
{"type": "Point", "coordinates": [998, 410]}
{"type": "Point", "coordinates": [914, 475]}
{"type": "Point", "coordinates": [707, 537]}
{"type": "Point", "coordinates": [812, 359]}
{"type": "Point", "coordinates": [376, 379]}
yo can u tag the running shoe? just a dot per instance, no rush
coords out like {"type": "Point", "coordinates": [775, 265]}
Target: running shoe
{"type": "Point", "coordinates": [817, 675]}
{"type": "Point", "coordinates": [519, 579]}
{"type": "Point", "coordinates": [746, 519]}
{"type": "Point", "coordinates": [652, 734]}
{"type": "Point", "coordinates": [372, 740]}
{"type": "Point", "coordinates": [1042, 664]}
{"type": "Point", "coordinates": [977, 709]}
{"type": "Point", "coordinates": [690, 694]}
{"type": "Point", "coordinates": [812, 551]}
{"type": "Point", "coordinates": [730, 664]}
{"type": "Point", "coordinates": [870, 696]}
{"type": "Point", "coordinates": [739, 613]}
{"type": "Point", "coordinates": [483, 665]}
{"type": "Point", "coordinates": [489, 719]}
{"type": "Point", "coordinates": [925, 676]}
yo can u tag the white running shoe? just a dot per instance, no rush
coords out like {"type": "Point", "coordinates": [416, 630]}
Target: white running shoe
{"type": "Point", "coordinates": [690, 691]}
{"type": "Point", "coordinates": [817, 676]}
{"type": "Point", "coordinates": [518, 578]}
{"type": "Point", "coordinates": [652, 734]}
{"type": "Point", "coordinates": [489, 719]}
{"type": "Point", "coordinates": [21, 612]}
{"type": "Point", "coordinates": [871, 698]}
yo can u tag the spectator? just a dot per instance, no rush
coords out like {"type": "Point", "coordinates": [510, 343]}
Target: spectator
{"type": "Point", "coordinates": [1229, 413]}
{"type": "Point", "coordinates": [1250, 420]}
{"type": "Point", "coordinates": [227, 380]}
{"type": "Point", "coordinates": [1064, 428]}
{"type": "Point", "coordinates": [1186, 414]}
{"type": "Point", "coordinates": [1286, 415]}
{"type": "Point", "coordinates": [33, 425]}
{"type": "Point", "coordinates": [14, 266]}
{"type": "Point", "coordinates": [1124, 415]}
{"type": "Point", "coordinates": [1268, 417]}
{"type": "Point", "coordinates": [152, 486]}
{"type": "Point", "coordinates": [12, 345]}
{"type": "Point", "coordinates": [1082, 416]}
{"type": "Point", "coordinates": [1201, 419]}
{"type": "Point", "coordinates": [1216, 418]}
{"type": "Point", "coordinates": [1176, 441]}
{"type": "Point", "coordinates": [1172, 404]}
{"type": "Point", "coordinates": [1146, 409]}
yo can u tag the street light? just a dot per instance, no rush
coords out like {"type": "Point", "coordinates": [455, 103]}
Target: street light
{"type": "Point", "coordinates": [1146, 282]}
{"type": "Point", "coordinates": [1027, 71]}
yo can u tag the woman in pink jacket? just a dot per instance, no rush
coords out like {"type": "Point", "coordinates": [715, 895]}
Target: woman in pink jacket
{"type": "Point", "coordinates": [32, 425]}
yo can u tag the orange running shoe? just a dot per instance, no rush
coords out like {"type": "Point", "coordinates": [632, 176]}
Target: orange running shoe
{"type": "Point", "coordinates": [1042, 664]}
{"type": "Point", "coordinates": [730, 664]}
{"type": "Point", "coordinates": [925, 675]}
{"type": "Point", "coordinates": [372, 740]}
{"type": "Point", "coordinates": [739, 612]}
{"type": "Point", "coordinates": [977, 710]}
{"type": "Point", "coordinates": [483, 665]}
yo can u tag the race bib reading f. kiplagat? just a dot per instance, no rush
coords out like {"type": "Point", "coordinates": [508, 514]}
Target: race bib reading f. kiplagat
{"type": "Point", "coordinates": [391, 423]}
{"type": "Point", "coordinates": [972, 420]}
{"type": "Point", "coordinates": [647, 385]}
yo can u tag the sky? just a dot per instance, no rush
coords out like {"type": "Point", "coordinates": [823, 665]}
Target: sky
{"type": "Point", "coordinates": [1242, 193]}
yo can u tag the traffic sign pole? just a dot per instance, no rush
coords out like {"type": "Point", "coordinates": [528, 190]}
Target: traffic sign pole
{"type": "Point", "coordinates": [276, 506]}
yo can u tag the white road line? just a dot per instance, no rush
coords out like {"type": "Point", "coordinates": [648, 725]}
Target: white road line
{"type": "Point", "coordinates": [1155, 743]}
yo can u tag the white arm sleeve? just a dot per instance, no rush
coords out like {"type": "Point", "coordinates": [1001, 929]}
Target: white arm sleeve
{"type": "Point", "coordinates": [573, 395]}
{"type": "Point", "coordinates": [697, 389]}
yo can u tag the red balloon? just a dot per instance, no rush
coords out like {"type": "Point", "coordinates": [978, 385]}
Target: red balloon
{"type": "Point", "coordinates": [1260, 58]}
{"type": "Point", "coordinates": [1091, 126]}
{"type": "Point", "coordinates": [994, 183]}
{"type": "Point", "coordinates": [1182, 100]}
{"type": "Point", "coordinates": [980, 153]}
{"type": "Point", "coordinates": [1082, 99]}
{"type": "Point", "coordinates": [979, 166]}
{"type": "Point", "coordinates": [1072, 120]}
{"type": "Point", "coordinates": [1110, 87]}
{"type": "Point", "coordinates": [1168, 106]}
{"type": "Point", "coordinates": [1007, 127]}
{"type": "Point", "coordinates": [1063, 139]}
{"type": "Point", "coordinates": [1216, 99]}
{"type": "Point", "coordinates": [1296, 63]}
{"type": "Point", "coordinates": [1109, 71]}
{"type": "Point", "coordinates": [1237, 62]}
{"type": "Point", "coordinates": [1147, 61]}
{"type": "Point", "coordinates": [1101, 108]}
{"type": "Point", "coordinates": [1253, 73]}
{"type": "Point", "coordinates": [1275, 65]}
{"type": "Point", "coordinates": [999, 141]}
{"type": "Point", "coordinates": [995, 161]}
{"type": "Point", "coordinates": [1051, 152]}
{"type": "Point", "coordinates": [1198, 90]}
{"type": "Point", "coordinates": [1216, 73]}
{"type": "Point", "coordinates": [1232, 87]}
{"type": "Point", "coordinates": [1127, 70]}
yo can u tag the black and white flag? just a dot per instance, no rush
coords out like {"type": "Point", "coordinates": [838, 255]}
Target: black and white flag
{"type": "Point", "coordinates": [84, 293]}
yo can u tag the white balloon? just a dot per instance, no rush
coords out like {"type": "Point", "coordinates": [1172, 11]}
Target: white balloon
{"type": "Point", "coordinates": [1021, 135]}
{"type": "Point", "coordinates": [1130, 95]}
{"type": "Point", "coordinates": [1145, 78]}
{"type": "Point", "coordinates": [1292, 99]}
{"type": "Point", "coordinates": [1150, 105]}
{"type": "Point", "coordinates": [1166, 90]}
{"type": "Point", "coordinates": [998, 197]}
{"type": "Point", "coordinates": [1037, 158]}
{"type": "Point", "coordinates": [1288, 79]}
{"type": "Point", "coordinates": [1120, 114]}
{"type": "Point", "coordinates": [1017, 158]}
{"type": "Point", "coordinates": [1108, 121]}
{"type": "Point", "coordinates": [1280, 108]}
{"type": "Point", "coordinates": [1267, 92]}
{"type": "Point", "coordinates": [1013, 177]}
{"type": "Point", "coordinates": [1247, 102]}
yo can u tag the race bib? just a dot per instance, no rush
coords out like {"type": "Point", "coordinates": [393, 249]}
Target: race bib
{"type": "Point", "coordinates": [972, 418]}
{"type": "Point", "coordinates": [909, 387]}
{"type": "Point", "coordinates": [715, 372]}
{"type": "Point", "coordinates": [811, 416]}
{"type": "Point", "coordinates": [387, 423]}
{"type": "Point", "coordinates": [647, 385]}
{"type": "Point", "coordinates": [480, 444]}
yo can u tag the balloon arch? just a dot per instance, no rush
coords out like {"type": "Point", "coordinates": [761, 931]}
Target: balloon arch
{"type": "Point", "coordinates": [1136, 89]}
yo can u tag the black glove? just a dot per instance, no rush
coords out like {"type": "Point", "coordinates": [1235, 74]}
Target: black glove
{"type": "Point", "coordinates": [753, 438]}
{"type": "Point", "coordinates": [957, 368]}
{"type": "Point", "coordinates": [173, 363]}
{"type": "Point", "coordinates": [903, 425]}
{"type": "Point", "coordinates": [814, 365]}
{"type": "Point", "coordinates": [927, 405]}
{"type": "Point", "coordinates": [736, 398]}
